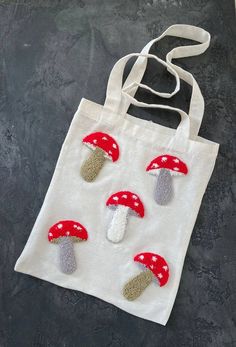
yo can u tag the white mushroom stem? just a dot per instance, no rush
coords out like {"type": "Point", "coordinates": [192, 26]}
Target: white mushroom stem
{"type": "Point", "coordinates": [135, 287]}
{"type": "Point", "coordinates": [118, 224]}
{"type": "Point", "coordinates": [164, 190]}
{"type": "Point", "coordinates": [66, 255]}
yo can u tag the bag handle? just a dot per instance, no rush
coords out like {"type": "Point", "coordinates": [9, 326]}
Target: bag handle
{"type": "Point", "coordinates": [114, 101]}
{"type": "Point", "coordinates": [183, 129]}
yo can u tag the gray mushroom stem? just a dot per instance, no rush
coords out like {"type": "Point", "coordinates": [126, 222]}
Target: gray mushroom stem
{"type": "Point", "coordinates": [164, 190]}
{"type": "Point", "coordinates": [92, 166]}
{"type": "Point", "coordinates": [66, 255]}
{"type": "Point", "coordinates": [135, 287]}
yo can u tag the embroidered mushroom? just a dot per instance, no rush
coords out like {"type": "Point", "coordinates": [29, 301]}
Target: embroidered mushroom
{"type": "Point", "coordinates": [65, 233]}
{"type": "Point", "coordinates": [124, 203]}
{"type": "Point", "coordinates": [103, 147]}
{"type": "Point", "coordinates": [156, 268]}
{"type": "Point", "coordinates": [164, 167]}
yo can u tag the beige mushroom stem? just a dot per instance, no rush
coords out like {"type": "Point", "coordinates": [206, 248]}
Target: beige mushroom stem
{"type": "Point", "coordinates": [93, 165]}
{"type": "Point", "coordinates": [134, 288]}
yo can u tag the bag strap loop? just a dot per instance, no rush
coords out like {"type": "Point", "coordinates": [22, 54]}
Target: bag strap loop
{"type": "Point", "coordinates": [115, 100]}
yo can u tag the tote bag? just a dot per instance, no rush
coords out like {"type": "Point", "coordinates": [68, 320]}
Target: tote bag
{"type": "Point", "coordinates": [129, 189]}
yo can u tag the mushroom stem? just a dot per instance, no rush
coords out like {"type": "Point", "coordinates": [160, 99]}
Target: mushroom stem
{"type": "Point", "coordinates": [164, 191]}
{"type": "Point", "coordinates": [118, 224]}
{"type": "Point", "coordinates": [135, 287]}
{"type": "Point", "coordinates": [66, 255]}
{"type": "Point", "coordinates": [93, 165]}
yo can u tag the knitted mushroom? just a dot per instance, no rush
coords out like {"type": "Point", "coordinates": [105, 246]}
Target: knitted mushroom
{"type": "Point", "coordinates": [65, 233]}
{"type": "Point", "coordinates": [124, 204]}
{"type": "Point", "coordinates": [164, 167]}
{"type": "Point", "coordinates": [156, 268]}
{"type": "Point", "coordinates": [103, 147]}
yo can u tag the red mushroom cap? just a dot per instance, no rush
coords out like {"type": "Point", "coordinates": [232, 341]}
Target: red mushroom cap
{"type": "Point", "coordinates": [156, 264]}
{"type": "Point", "coordinates": [67, 228]}
{"type": "Point", "coordinates": [105, 142]}
{"type": "Point", "coordinates": [168, 162]}
{"type": "Point", "coordinates": [128, 199]}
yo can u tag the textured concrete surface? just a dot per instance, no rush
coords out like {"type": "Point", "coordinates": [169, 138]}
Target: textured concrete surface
{"type": "Point", "coordinates": [52, 54]}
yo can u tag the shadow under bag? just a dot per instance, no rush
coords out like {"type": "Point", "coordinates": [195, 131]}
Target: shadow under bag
{"type": "Point", "coordinates": [120, 209]}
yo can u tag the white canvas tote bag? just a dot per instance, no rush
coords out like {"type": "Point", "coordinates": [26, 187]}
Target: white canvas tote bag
{"type": "Point", "coordinates": [130, 190]}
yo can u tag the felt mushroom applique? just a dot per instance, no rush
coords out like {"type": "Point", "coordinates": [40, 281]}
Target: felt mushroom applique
{"type": "Point", "coordinates": [164, 167]}
{"type": "Point", "coordinates": [124, 204]}
{"type": "Point", "coordinates": [65, 233]}
{"type": "Point", "coordinates": [103, 147]}
{"type": "Point", "coordinates": [156, 268]}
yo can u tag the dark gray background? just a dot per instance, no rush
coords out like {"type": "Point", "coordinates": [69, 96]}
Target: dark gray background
{"type": "Point", "coordinates": [52, 54]}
